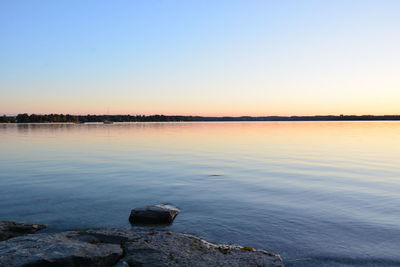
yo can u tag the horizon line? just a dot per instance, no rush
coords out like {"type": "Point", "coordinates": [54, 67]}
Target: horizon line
{"type": "Point", "coordinates": [205, 116]}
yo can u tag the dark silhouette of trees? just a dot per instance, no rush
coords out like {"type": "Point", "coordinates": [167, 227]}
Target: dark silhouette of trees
{"type": "Point", "coordinates": [7, 119]}
{"type": "Point", "coordinates": [23, 118]}
{"type": "Point", "coordinates": [61, 118]}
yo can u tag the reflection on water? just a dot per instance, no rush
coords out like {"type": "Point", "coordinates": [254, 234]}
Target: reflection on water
{"type": "Point", "coordinates": [316, 192]}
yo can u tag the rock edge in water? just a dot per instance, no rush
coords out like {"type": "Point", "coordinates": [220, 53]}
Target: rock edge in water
{"type": "Point", "coordinates": [122, 247]}
{"type": "Point", "coordinates": [157, 214]}
{"type": "Point", "coordinates": [9, 229]}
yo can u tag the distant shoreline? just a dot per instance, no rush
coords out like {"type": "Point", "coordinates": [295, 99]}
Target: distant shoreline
{"type": "Point", "coordinates": [61, 118]}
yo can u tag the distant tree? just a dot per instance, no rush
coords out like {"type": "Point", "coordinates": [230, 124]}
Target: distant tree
{"type": "Point", "coordinates": [22, 118]}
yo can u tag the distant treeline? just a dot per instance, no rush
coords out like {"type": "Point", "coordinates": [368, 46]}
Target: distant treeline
{"type": "Point", "coordinates": [34, 118]}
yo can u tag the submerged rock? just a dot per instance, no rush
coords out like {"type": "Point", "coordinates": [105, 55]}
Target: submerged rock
{"type": "Point", "coordinates": [60, 249]}
{"type": "Point", "coordinates": [9, 229]}
{"type": "Point", "coordinates": [158, 214]}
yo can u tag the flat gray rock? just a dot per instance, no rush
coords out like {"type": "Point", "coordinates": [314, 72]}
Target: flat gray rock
{"type": "Point", "coordinates": [127, 248]}
{"type": "Point", "coordinates": [163, 248]}
{"type": "Point", "coordinates": [60, 249]}
{"type": "Point", "coordinates": [9, 229]}
{"type": "Point", "coordinates": [157, 214]}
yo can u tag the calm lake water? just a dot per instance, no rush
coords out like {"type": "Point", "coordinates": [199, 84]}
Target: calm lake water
{"type": "Point", "coordinates": [318, 193]}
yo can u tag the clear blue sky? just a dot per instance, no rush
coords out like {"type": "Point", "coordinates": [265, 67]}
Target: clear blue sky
{"type": "Point", "coordinates": [200, 57]}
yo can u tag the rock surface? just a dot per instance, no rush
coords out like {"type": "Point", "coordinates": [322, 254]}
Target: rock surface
{"type": "Point", "coordinates": [124, 248]}
{"type": "Point", "coordinates": [158, 214]}
{"type": "Point", "coordinates": [59, 249]}
{"type": "Point", "coordinates": [162, 248]}
{"type": "Point", "coordinates": [9, 229]}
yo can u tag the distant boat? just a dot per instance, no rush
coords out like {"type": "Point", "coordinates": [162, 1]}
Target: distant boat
{"type": "Point", "coordinates": [108, 122]}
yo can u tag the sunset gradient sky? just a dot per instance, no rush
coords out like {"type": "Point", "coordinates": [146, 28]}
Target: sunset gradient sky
{"type": "Point", "coordinates": [200, 57]}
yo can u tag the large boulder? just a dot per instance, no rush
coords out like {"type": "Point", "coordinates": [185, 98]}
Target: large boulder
{"type": "Point", "coordinates": [158, 214]}
{"type": "Point", "coordinates": [155, 248]}
{"type": "Point", "coordinates": [127, 248]}
{"type": "Point", "coordinates": [9, 229]}
{"type": "Point", "coordinates": [60, 249]}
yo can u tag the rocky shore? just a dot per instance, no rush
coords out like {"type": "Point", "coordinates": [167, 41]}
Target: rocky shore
{"type": "Point", "coordinates": [21, 246]}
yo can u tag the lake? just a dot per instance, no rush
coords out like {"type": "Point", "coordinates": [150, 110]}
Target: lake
{"type": "Point", "coordinates": [318, 193]}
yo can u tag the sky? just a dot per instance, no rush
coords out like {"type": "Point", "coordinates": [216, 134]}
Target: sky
{"type": "Point", "coordinates": [210, 58]}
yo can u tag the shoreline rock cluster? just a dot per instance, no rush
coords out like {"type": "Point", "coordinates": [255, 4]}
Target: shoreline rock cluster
{"type": "Point", "coordinates": [114, 247]}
